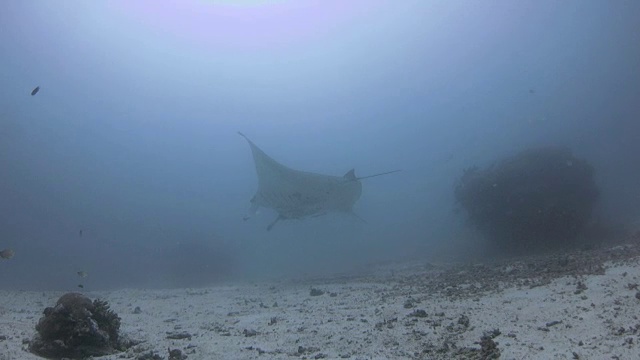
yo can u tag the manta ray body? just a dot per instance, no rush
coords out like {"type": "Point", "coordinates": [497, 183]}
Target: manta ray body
{"type": "Point", "coordinates": [295, 194]}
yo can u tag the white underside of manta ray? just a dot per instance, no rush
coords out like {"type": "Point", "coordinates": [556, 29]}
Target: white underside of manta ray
{"type": "Point", "coordinates": [295, 194]}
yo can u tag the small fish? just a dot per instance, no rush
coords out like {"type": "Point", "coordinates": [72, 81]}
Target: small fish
{"type": "Point", "coordinates": [80, 233]}
{"type": "Point", "coordinates": [35, 91]}
{"type": "Point", "coordinates": [82, 274]}
{"type": "Point", "coordinates": [81, 286]}
{"type": "Point", "coordinates": [7, 254]}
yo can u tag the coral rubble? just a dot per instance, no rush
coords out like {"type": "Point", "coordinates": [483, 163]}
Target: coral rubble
{"type": "Point", "coordinates": [77, 328]}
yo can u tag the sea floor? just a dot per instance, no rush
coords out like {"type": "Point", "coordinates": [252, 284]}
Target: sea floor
{"type": "Point", "coordinates": [578, 305]}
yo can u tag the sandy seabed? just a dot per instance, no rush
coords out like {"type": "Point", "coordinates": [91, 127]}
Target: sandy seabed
{"type": "Point", "coordinates": [577, 305]}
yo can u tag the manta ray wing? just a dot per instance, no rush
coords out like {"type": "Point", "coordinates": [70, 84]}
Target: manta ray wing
{"type": "Point", "coordinates": [295, 194]}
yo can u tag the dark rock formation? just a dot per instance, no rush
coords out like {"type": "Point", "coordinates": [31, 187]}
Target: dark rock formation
{"type": "Point", "coordinates": [539, 199]}
{"type": "Point", "coordinates": [77, 328]}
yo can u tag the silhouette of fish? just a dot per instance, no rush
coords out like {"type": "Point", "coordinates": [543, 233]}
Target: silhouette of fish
{"type": "Point", "coordinates": [35, 90]}
{"type": "Point", "coordinates": [7, 254]}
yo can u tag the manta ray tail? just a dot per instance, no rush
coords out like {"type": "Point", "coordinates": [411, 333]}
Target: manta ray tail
{"type": "Point", "coordinates": [351, 176]}
{"type": "Point", "coordinates": [274, 222]}
{"type": "Point", "coordinates": [358, 217]}
{"type": "Point", "coordinates": [380, 174]}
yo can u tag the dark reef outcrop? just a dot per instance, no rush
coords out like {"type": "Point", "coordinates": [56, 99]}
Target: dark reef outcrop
{"type": "Point", "coordinates": [77, 328]}
{"type": "Point", "coordinates": [537, 200]}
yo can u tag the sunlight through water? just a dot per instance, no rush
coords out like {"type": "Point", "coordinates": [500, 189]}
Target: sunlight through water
{"type": "Point", "coordinates": [247, 25]}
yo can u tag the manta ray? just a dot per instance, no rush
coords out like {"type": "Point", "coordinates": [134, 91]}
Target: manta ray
{"type": "Point", "coordinates": [296, 194]}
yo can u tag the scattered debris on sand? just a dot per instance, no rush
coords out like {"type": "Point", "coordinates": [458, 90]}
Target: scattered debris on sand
{"type": "Point", "coordinates": [580, 304]}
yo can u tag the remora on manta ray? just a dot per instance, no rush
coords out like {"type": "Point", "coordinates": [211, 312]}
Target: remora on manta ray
{"type": "Point", "coordinates": [296, 194]}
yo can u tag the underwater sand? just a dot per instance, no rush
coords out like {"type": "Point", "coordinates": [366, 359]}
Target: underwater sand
{"type": "Point", "coordinates": [581, 305]}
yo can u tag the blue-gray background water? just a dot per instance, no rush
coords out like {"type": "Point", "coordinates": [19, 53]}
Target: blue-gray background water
{"type": "Point", "coordinates": [133, 140]}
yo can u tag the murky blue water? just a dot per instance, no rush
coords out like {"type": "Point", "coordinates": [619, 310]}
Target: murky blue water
{"type": "Point", "coordinates": [132, 138]}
